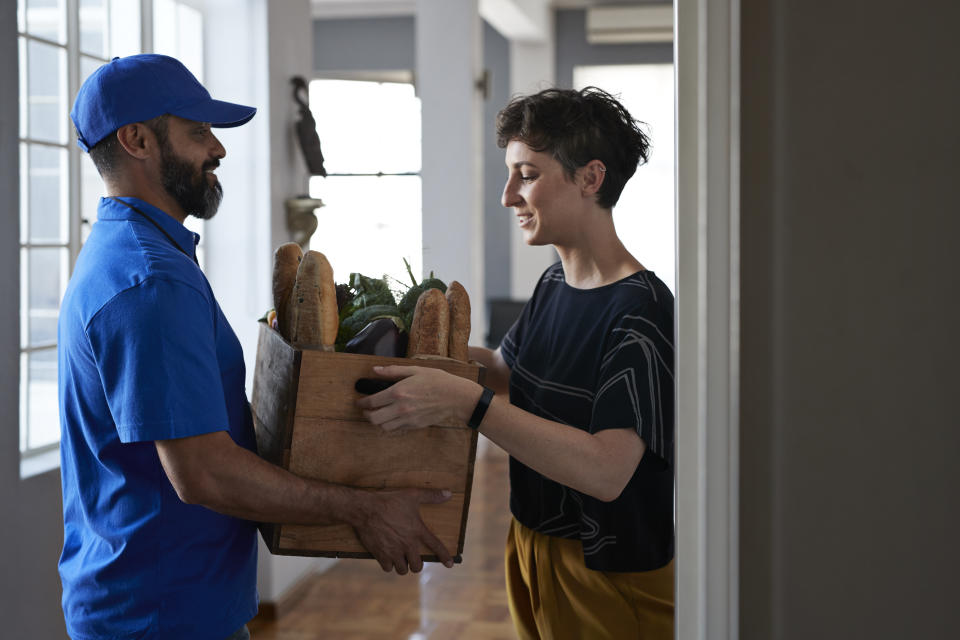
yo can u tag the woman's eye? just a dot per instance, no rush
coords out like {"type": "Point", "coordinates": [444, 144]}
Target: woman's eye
{"type": "Point", "coordinates": [528, 178]}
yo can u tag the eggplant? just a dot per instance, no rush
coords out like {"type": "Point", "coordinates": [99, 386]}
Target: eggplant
{"type": "Point", "coordinates": [381, 337]}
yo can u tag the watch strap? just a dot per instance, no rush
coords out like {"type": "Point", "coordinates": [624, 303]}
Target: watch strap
{"type": "Point", "coordinates": [481, 409]}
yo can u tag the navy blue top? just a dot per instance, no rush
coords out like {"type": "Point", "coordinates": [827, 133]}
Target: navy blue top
{"type": "Point", "coordinates": [146, 354]}
{"type": "Point", "coordinates": [599, 359]}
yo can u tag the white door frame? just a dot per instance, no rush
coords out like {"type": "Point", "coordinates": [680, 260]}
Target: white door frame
{"type": "Point", "coordinates": [707, 55]}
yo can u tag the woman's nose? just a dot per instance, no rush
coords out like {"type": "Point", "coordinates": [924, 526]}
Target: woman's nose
{"type": "Point", "coordinates": [510, 197]}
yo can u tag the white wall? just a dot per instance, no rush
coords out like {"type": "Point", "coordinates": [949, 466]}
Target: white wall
{"type": "Point", "coordinates": [449, 61]}
{"type": "Point", "coordinates": [262, 168]}
{"type": "Point", "coordinates": [532, 68]}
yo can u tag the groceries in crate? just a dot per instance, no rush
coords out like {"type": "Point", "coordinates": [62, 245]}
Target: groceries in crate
{"type": "Point", "coordinates": [362, 315]}
{"type": "Point", "coordinates": [458, 303]}
{"type": "Point", "coordinates": [305, 297]}
{"type": "Point", "coordinates": [381, 337]}
{"type": "Point", "coordinates": [441, 324]}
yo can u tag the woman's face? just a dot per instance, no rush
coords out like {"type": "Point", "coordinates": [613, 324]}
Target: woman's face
{"type": "Point", "coordinates": [547, 204]}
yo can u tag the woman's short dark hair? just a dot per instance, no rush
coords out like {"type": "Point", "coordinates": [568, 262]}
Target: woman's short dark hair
{"type": "Point", "coordinates": [576, 127]}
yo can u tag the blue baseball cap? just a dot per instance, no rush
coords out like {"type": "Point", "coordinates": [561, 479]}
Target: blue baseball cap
{"type": "Point", "coordinates": [141, 87]}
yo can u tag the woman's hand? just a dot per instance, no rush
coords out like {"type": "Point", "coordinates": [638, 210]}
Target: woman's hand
{"type": "Point", "coordinates": [422, 397]}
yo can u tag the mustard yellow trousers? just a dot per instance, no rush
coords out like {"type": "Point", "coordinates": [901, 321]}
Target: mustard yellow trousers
{"type": "Point", "coordinates": [554, 596]}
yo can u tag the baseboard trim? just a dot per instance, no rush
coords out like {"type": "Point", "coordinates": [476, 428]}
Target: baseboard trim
{"type": "Point", "coordinates": [273, 610]}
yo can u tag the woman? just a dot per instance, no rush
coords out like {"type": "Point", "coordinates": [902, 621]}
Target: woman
{"type": "Point", "coordinates": [589, 423]}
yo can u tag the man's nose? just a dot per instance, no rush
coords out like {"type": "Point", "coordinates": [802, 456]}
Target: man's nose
{"type": "Point", "coordinates": [218, 149]}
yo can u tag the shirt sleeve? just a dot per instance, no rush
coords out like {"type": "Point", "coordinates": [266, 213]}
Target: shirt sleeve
{"type": "Point", "coordinates": [513, 339]}
{"type": "Point", "coordinates": [155, 348]}
{"type": "Point", "coordinates": [635, 386]}
{"type": "Point", "coordinates": [510, 344]}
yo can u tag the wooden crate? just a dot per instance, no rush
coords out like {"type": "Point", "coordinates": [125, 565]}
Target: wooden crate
{"type": "Point", "coordinates": [307, 422]}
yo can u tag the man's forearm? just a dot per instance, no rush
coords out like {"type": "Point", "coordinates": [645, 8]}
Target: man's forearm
{"type": "Point", "coordinates": [264, 492]}
{"type": "Point", "coordinates": [212, 471]}
{"type": "Point", "coordinates": [236, 482]}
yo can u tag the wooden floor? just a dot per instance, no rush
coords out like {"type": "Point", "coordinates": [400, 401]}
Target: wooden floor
{"type": "Point", "coordinates": [356, 600]}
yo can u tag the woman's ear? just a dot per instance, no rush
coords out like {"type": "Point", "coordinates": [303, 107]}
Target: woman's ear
{"type": "Point", "coordinates": [592, 176]}
{"type": "Point", "coordinates": [137, 140]}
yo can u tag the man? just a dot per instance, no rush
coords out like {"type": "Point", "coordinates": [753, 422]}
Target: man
{"type": "Point", "coordinates": [160, 483]}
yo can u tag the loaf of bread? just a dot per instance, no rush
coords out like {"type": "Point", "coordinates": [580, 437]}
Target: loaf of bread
{"type": "Point", "coordinates": [459, 304]}
{"type": "Point", "coordinates": [430, 329]}
{"type": "Point", "coordinates": [329, 311]}
{"type": "Point", "coordinates": [286, 261]}
{"type": "Point", "coordinates": [312, 309]}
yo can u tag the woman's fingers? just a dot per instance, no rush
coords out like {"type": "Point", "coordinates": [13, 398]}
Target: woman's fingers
{"type": "Point", "coordinates": [395, 371]}
{"type": "Point", "coordinates": [387, 396]}
{"type": "Point", "coordinates": [423, 397]}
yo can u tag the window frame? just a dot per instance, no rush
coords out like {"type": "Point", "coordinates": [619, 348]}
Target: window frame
{"type": "Point", "coordinates": [40, 459]}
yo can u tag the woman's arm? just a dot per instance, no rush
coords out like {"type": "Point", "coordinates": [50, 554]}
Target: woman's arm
{"type": "Point", "coordinates": [599, 465]}
{"type": "Point", "coordinates": [497, 376]}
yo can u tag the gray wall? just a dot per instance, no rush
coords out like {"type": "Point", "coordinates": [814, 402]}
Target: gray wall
{"type": "Point", "coordinates": [378, 44]}
{"type": "Point", "coordinates": [496, 220]}
{"type": "Point", "coordinates": [849, 423]}
{"type": "Point", "coordinates": [362, 44]}
{"type": "Point", "coordinates": [32, 532]}
{"type": "Point", "coordinates": [573, 48]}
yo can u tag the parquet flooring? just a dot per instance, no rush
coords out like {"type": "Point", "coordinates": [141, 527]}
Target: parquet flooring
{"type": "Point", "coordinates": [356, 600]}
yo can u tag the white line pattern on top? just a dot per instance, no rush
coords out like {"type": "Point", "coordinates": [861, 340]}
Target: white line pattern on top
{"type": "Point", "coordinates": [637, 349]}
{"type": "Point", "coordinates": [565, 389]}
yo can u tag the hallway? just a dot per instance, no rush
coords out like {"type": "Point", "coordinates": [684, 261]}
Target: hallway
{"type": "Point", "coordinates": [356, 600]}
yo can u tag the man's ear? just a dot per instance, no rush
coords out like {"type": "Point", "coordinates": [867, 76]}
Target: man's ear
{"type": "Point", "coordinates": [137, 140]}
{"type": "Point", "coordinates": [592, 176]}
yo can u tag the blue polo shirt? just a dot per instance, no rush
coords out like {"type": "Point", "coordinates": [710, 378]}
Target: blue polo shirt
{"type": "Point", "coordinates": [145, 354]}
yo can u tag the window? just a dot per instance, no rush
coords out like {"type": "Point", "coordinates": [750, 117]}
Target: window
{"type": "Point", "coordinates": [61, 42]}
{"type": "Point", "coordinates": [178, 32]}
{"type": "Point", "coordinates": [370, 134]}
{"type": "Point", "coordinates": [644, 215]}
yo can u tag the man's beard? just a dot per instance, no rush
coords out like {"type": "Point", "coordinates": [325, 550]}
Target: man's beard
{"type": "Point", "coordinates": [188, 187]}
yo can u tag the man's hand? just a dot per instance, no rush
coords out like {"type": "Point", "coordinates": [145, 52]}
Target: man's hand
{"type": "Point", "coordinates": [422, 397]}
{"type": "Point", "coordinates": [391, 529]}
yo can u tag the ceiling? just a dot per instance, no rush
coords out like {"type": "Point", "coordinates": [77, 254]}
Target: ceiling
{"type": "Point", "coordinates": [372, 8]}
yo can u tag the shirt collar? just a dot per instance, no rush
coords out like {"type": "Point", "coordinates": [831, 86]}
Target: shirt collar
{"type": "Point", "coordinates": [110, 209]}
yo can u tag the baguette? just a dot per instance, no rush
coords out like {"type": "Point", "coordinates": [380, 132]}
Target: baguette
{"type": "Point", "coordinates": [430, 329]}
{"type": "Point", "coordinates": [459, 304]}
{"type": "Point", "coordinates": [312, 310]}
{"type": "Point", "coordinates": [329, 311]}
{"type": "Point", "coordinates": [286, 261]}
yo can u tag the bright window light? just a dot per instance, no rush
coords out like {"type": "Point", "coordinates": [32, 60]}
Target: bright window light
{"type": "Point", "coordinates": [370, 135]}
{"type": "Point", "coordinates": [644, 215]}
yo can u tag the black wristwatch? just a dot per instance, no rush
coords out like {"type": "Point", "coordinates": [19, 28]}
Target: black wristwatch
{"type": "Point", "coordinates": [481, 409]}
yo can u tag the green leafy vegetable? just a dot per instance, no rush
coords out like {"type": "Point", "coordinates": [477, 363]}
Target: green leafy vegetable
{"type": "Point", "coordinates": [372, 298]}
